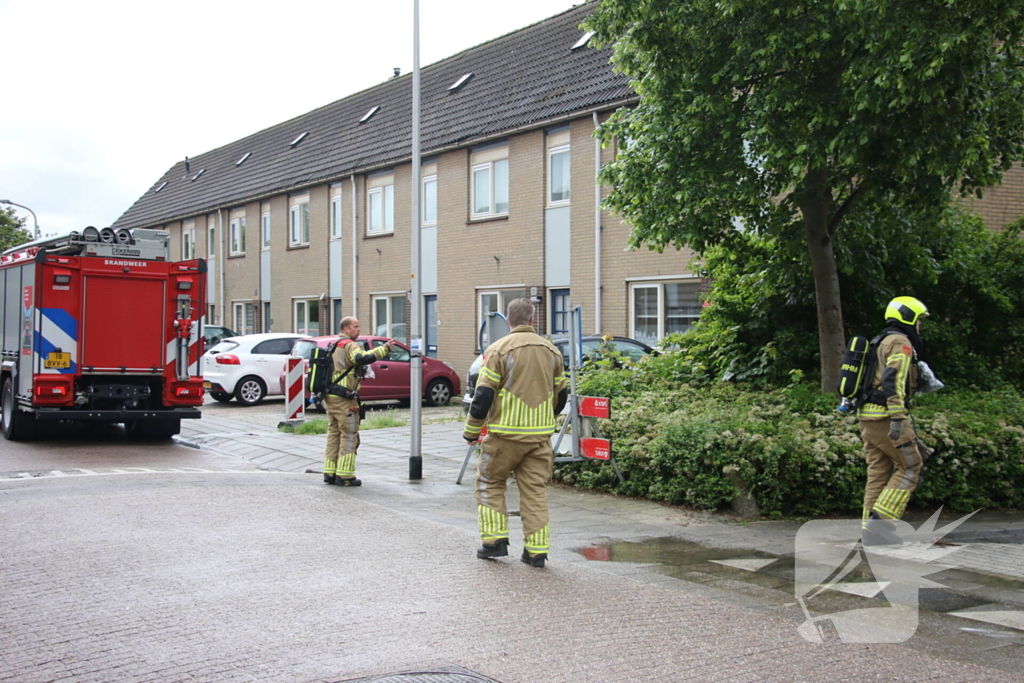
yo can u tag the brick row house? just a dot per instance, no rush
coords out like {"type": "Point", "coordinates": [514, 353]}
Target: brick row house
{"type": "Point", "coordinates": [310, 220]}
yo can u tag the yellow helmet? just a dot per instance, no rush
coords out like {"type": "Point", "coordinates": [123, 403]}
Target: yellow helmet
{"type": "Point", "coordinates": [906, 309]}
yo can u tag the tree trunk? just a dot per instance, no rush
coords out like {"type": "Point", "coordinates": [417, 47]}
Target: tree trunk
{"type": "Point", "coordinates": [814, 206]}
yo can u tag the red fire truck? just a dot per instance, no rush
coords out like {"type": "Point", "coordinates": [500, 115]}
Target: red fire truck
{"type": "Point", "coordinates": [100, 326]}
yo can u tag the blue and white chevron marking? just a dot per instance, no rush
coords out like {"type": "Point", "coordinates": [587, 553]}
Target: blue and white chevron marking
{"type": "Point", "coordinates": [55, 329]}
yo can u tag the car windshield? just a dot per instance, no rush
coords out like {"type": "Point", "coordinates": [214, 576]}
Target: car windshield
{"type": "Point", "coordinates": [304, 348]}
{"type": "Point", "coordinates": [223, 346]}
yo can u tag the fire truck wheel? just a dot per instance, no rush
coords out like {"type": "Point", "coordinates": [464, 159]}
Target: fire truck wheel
{"type": "Point", "coordinates": [250, 391]}
{"type": "Point", "coordinates": [221, 396]}
{"type": "Point", "coordinates": [17, 426]}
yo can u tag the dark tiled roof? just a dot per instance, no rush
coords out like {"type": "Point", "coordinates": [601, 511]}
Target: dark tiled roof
{"type": "Point", "coordinates": [520, 79]}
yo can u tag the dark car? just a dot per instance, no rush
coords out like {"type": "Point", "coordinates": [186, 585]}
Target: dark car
{"type": "Point", "coordinates": [391, 378]}
{"type": "Point", "coordinates": [630, 349]}
{"type": "Point", "coordinates": [214, 333]}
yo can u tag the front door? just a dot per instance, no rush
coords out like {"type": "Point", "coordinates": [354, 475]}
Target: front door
{"type": "Point", "coordinates": [430, 309]}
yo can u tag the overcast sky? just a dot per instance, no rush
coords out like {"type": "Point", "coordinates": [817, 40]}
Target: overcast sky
{"type": "Point", "coordinates": [100, 97]}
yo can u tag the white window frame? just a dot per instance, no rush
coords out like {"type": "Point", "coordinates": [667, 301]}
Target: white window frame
{"type": "Point", "coordinates": [243, 317]}
{"type": "Point", "coordinates": [502, 297]}
{"type": "Point", "coordinates": [265, 231]}
{"type": "Point", "coordinates": [298, 222]}
{"type": "Point", "coordinates": [429, 180]}
{"type": "Point", "coordinates": [553, 152]}
{"type": "Point", "coordinates": [489, 167]}
{"type": "Point", "coordinates": [188, 243]}
{"type": "Point", "coordinates": [385, 195]}
{"type": "Point", "coordinates": [211, 238]}
{"type": "Point", "coordinates": [335, 218]}
{"type": "Point", "coordinates": [389, 307]}
{"type": "Point", "coordinates": [659, 289]}
{"type": "Point", "coordinates": [307, 305]}
{"type": "Point", "coordinates": [237, 237]}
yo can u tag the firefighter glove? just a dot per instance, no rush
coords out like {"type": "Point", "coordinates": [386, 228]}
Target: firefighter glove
{"type": "Point", "coordinates": [896, 429]}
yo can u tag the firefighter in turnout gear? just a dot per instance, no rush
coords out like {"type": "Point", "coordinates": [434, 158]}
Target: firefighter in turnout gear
{"type": "Point", "coordinates": [894, 456]}
{"type": "Point", "coordinates": [520, 391]}
{"type": "Point", "coordinates": [342, 404]}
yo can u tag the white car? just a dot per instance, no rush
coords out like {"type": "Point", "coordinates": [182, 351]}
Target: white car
{"type": "Point", "coordinates": [247, 368]}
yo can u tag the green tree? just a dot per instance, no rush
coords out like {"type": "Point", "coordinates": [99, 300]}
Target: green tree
{"type": "Point", "coordinates": [12, 230]}
{"type": "Point", "coordinates": [780, 117]}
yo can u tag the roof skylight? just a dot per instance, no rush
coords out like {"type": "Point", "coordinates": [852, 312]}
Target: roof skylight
{"type": "Point", "coordinates": [244, 157]}
{"type": "Point", "coordinates": [196, 176]}
{"type": "Point", "coordinates": [162, 186]}
{"type": "Point", "coordinates": [296, 140]}
{"type": "Point", "coordinates": [461, 82]}
{"type": "Point", "coordinates": [368, 115]}
{"type": "Point", "coordinates": [582, 42]}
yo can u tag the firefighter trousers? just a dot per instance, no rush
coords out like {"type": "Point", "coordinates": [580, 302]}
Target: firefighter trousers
{"type": "Point", "coordinates": [531, 459]}
{"type": "Point", "coordinates": [342, 436]}
{"type": "Point", "coordinates": [894, 469]}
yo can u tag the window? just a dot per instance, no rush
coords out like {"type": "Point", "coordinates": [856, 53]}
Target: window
{"type": "Point", "coordinates": [659, 309]}
{"type": "Point", "coordinates": [381, 202]}
{"type": "Point", "coordinates": [489, 182]}
{"type": "Point", "coordinates": [298, 232]}
{"type": "Point", "coordinates": [307, 317]}
{"type": "Point", "coordinates": [265, 230]}
{"type": "Point", "coordinates": [559, 311]}
{"type": "Point", "coordinates": [398, 354]}
{"type": "Point", "coordinates": [188, 241]}
{"type": "Point", "coordinates": [389, 316]}
{"type": "Point", "coordinates": [237, 232]}
{"type": "Point", "coordinates": [267, 322]}
{"type": "Point", "coordinates": [491, 302]}
{"type": "Point", "coordinates": [336, 212]}
{"type": "Point", "coordinates": [430, 200]}
{"type": "Point", "coordinates": [276, 347]}
{"type": "Point", "coordinates": [336, 316]}
{"type": "Point", "coordinates": [558, 175]}
{"type": "Point", "coordinates": [245, 315]}
{"type": "Point", "coordinates": [211, 238]}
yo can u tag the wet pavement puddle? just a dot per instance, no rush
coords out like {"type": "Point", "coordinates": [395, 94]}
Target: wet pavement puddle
{"type": "Point", "coordinates": [773, 577]}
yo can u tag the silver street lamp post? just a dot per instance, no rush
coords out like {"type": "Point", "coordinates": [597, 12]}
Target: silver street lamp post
{"type": "Point", "coordinates": [34, 219]}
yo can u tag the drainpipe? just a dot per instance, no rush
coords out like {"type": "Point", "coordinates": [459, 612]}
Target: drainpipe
{"type": "Point", "coordinates": [597, 232]}
{"type": "Point", "coordinates": [355, 254]}
{"type": "Point", "coordinates": [220, 261]}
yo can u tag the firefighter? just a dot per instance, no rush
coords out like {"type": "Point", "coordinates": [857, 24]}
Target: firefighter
{"type": "Point", "coordinates": [342, 404]}
{"type": "Point", "coordinates": [520, 391]}
{"type": "Point", "coordinates": [891, 448]}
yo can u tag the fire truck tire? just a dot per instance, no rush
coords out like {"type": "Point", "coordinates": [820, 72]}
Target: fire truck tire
{"type": "Point", "coordinates": [221, 396]}
{"type": "Point", "coordinates": [17, 426]}
{"type": "Point", "coordinates": [250, 391]}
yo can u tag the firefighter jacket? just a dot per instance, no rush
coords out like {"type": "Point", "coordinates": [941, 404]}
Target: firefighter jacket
{"type": "Point", "coordinates": [520, 389]}
{"type": "Point", "coordinates": [350, 361]}
{"type": "Point", "coordinates": [895, 379]}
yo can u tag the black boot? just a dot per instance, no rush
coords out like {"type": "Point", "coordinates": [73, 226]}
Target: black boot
{"type": "Point", "coordinates": [347, 481]}
{"type": "Point", "coordinates": [489, 551]}
{"type": "Point", "coordinates": [879, 531]}
{"type": "Point", "coordinates": [328, 478]}
{"type": "Point", "coordinates": [533, 560]}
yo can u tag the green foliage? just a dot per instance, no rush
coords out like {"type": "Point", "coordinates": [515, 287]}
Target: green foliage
{"type": "Point", "coordinates": [317, 425]}
{"type": "Point", "coordinates": [761, 323]}
{"type": "Point", "coordinates": [694, 444]}
{"type": "Point", "coordinates": [384, 420]}
{"type": "Point", "coordinates": [12, 230]}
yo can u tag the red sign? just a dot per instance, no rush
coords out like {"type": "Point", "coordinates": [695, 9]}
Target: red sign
{"type": "Point", "coordinates": [595, 406]}
{"type": "Point", "coordinates": [596, 449]}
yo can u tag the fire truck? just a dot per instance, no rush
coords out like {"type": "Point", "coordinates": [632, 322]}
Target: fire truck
{"type": "Point", "coordinates": [100, 326]}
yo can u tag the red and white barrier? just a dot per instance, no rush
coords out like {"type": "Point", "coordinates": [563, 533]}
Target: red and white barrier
{"type": "Point", "coordinates": [295, 388]}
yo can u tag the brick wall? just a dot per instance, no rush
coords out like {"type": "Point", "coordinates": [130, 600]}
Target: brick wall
{"type": "Point", "coordinates": [1002, 204]}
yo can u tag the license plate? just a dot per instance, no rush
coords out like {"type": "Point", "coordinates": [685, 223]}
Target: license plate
{"type": "Point", "coordinates": [57, 360]}
{"type": "Point", "coordinates": [207, 385]}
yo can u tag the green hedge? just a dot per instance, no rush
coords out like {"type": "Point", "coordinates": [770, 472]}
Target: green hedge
{"type": "Point", "coordinates": [697, 445]}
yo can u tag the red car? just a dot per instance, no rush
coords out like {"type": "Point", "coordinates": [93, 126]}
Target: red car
{"type": "Point", "coordinates": [391, 380]}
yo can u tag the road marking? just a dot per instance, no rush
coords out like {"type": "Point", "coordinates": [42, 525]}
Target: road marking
{"type": "Point", "coordinates": [79, 472]}
{"type": "Point", "coordinates": [751, 565]}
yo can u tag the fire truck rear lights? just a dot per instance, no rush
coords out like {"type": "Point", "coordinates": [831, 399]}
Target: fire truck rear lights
{"type": "Point", "coordinates": [184, 285]}
{"type": "Point", "coordinates": [62, 279]}
{"type": "Point", "coordinates": [44, 390]}
{"type": "Point", "coordinates": [186, 391]}
{"type": "Point", "coordinates": [228, 359]}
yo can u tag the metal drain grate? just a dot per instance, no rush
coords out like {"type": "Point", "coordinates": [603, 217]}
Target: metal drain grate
{"type": "Point", "coordinates": [452, 675]}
